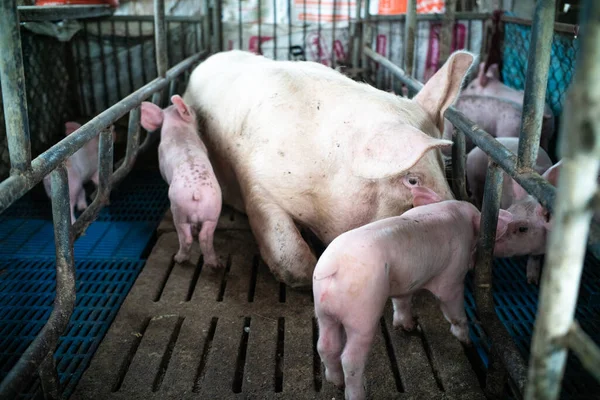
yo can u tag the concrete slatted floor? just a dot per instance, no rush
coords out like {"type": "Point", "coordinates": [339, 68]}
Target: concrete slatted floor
{"type": "Point", "coordinates": [184, 332]}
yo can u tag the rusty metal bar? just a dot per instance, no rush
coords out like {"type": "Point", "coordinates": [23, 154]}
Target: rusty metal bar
{"type": "Point", "coordinates": [459, 161]}
{"type": "Point", "coordinates": [17, 185]}
{"type": "Point", "coordinates": [217, 28]}
{"type": "Point", "coordinates": [160, 37]}
{"type": "Point", "coordinates": [46, 341]}
{"type": "Point", "coordinates": [13, 88]}
{"type": "Point", "coordinates": [534, 99]}
{"type": "Point", "coordinates": [558, 26]}
{"type": "Point", "coordinates": [409, 36]}
{"type": "Point", "coordinates": [584, 348]}
{"type": "Point", "coordinates": [579, 148]}
{"type": "Point", "coordinates": [447, 31]}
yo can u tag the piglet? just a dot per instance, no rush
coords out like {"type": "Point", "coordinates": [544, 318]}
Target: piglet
{"type": "Point", "coordinates": [531, 221]}
{"type": "Point", "coordinates": [497, 116]}
{"type": "Point", "coordinates": [488, 84]}
{"type": "Point", "coordinates": [81, 167]}
{"type": "Point", "coordinates": [194, 192]}
{"type": "Point", "coordinates": [431, 246]}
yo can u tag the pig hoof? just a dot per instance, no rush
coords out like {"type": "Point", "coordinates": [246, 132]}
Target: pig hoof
{"type": "Point", "coordinates": [337, 379]}
{"type": "Point", "coordinates": [180, 258]}
{"type": "Point", "coordinates": [400, 323]}
{"type": "Point", "coordinates": [461, 333]}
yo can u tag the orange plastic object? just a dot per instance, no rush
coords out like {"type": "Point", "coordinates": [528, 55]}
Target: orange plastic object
{"type": "Point", "coordinates": [393, 7]}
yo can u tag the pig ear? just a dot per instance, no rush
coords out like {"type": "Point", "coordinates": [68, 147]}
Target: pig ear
{"type": "Point", "coordinates": [518, 191]}
{"type": "Point", "coordinates": [423, 196]}
{"type": "Point", "coordinates": [493, 72]}
{"type": "Point", "coordinates": [71, 127]}
{"type": "Point", "coordinates": [552, 174]}
{"type": "Point", "coordinates": [152, 116]}
{"type": "Point", "coordinates": [481, 77]}
{"type": "Point", "coordinates": [443, 88]}
{"type": "Point", "coordinates": [386, 154]}
{"type": "Point", "coordinates": [182, 108]}
{"type": "Point", "coordinates": [504, 218]}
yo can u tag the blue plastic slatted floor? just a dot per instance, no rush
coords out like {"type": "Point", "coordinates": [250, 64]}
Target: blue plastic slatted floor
{"type": "Point", "coordinates": [108, 259]}
{"type": "Point", "coordinates": [516, 306]}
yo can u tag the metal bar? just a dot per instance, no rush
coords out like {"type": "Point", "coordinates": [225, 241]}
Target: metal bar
{"type": "Point", "coordinates": [558, 26]}
{"type": "Point", "coordinates": [319, 50]}
{"type": "Point", "coordinates": [432, 17]}
{"type": "Point", "coordinates": [205, 25]}
{"type": "Point", "coordinates": [218, 32]}
{"type": "Point", "coordinates": [409, 36]}
{"type": "Point", "coordinates": [459, 160]}
{"type": "Point", "coordinates": [183, 41]}
{"type": "Point", "coordinates": [259, 26]}
{"type": "Point", "coordinates": [240, 26]}
{"type": "Point", "coordinates": [142, 61]}
{"type": "Point", "coordinates": [358, 36]}
{"type": "Point", "coordinates": [333, 35]}
{"type": "Point", "coordinates": [49, 378]}
{"type": "Point", "coordinates": [129, 70]}
{"type": "Point", "coordinates": [15, 186]}
{"type": "Point", "coordinates": [304, 26]}
{"type": "Point", "coordinates": [116, 59]}
{"type": "Point", "coordinates": [90, 74]}
{"type": "Point", "coordinates": [534, 99]}
{"type": "Point", "coordinates": [584, 347]}
{"type": "Point", "coordinates": [447, 31]}
{"type": "Point", "coordinates": [150, 18]}
{"type": "Point", "coordinates": [64, 302]}
{"type": "Point", "coordinates": [13, 88]}
{"type": "Point", "coordinates": [289, 15]}
{"type": "Point", "coordinates": [105, 161]}
{"type": "Point", "coordinates": [162, 62]}
{"type": "Point", "coordinates": [103, 63]}
{"type": "Point", "coordinates": [275, 29]}
{"type": "Point", "coordinates": [59, 13]}
{"type": "Point", "coordinates": [579, 139]}
{"type": "Point", "coordinates": [505, 349]}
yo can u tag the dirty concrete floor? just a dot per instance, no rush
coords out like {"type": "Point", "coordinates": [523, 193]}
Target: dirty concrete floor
{"type": "Point", "coordinates": [184, 332]}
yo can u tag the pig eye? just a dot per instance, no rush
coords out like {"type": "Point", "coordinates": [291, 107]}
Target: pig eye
{"type": "Point", "coordinates": [523, 229]}
{"type": "Point", "coordinates": [413, 181]}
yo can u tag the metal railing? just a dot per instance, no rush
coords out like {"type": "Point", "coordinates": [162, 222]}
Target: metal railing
{"type": "Point", "coordinates": [555, 329]}
{"type": "Point", "coordinates": [26, 173]}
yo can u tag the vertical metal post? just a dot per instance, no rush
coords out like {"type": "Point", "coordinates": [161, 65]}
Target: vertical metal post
{"type": "Point", "coordinates": [409, 36]}
{"type": "Point", "coordinates": [64, 302]}
{"type": "Point", "coordinates": [358, 34]}
{"type": "Point", "coordinates": [536, 82]}
{"type": "Point", "coordinates": [217, 32]}
{"type": "Point", "coordinates": [577, 184]}
{"type": "Point", "coordinates": [365, 29]}
{"type": "Point", "coordinates": [105, 162]}
{"type": "Point", "coordinates": [459, 160]}
{"type": "Point", "coordinates": [447, 31]}
{"type": "Point", "coordinates": [205, 25]}
{"type": "Point", "coordinates": [162, 62]}
{"type": "Point", "coordinates": [13, 88]}
{"type": "Point", "coordinates": [496, 373]}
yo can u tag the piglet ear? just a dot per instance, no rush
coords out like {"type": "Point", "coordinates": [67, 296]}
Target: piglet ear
{"type": "Point", "coordinates": [552, 174]}
{"type": "Point", "coordinates": [481, 76]}
{"type": "Point", "coordinates": [71, 127]}
{"type": "Point", "coordinates": [493, 72]}
{"type": "Point", "coordinates": [504, 218]}
{"type": "Point", "coordinates": [182, 108]}
{"type": "Point", "coordinates": [518, 191]}
{"type": "Point", "coordinates": [423, 196]}
{"type": "Point", "coordinates": [152, 116]}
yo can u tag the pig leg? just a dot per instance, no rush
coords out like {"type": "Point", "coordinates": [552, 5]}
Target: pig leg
{"type": "Point", "coordinates": [81, 201]}
{"type": "Point", "coordinates": [534, 264]}
{"type": "Point", "coordinates": [330, 347]}
{"type": "Point", "coordinates": [403, 317]}
{"type": "Point", "coordinates": [354, 360]}
{"type": "Point", "coordinates": [452, 305]}
{"type": "Point", "coordinates": [184, 232]}
{"type": "Point", "coordinates": [205, 237]}
{"type": "Point", "coordinates": [281, 246]}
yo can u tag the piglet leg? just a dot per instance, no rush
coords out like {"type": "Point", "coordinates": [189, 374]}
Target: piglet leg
{"type": "Point", "coordinates": [534, 264]}
{"type": "Point", "coordinates": [281, 246]}
{"type": "Point", "coordinates": [330, 346]}
{"type": "Point", "coordinates": [184, 232]}
{"type": "Point", "coordinates": [403, 317]}
{"type": "Point", "coordinates": [81, 201]}
{"type": "Point", "coordinates": [205, 237]}
{"type": "Point", "coordinates": [354, 359]}
{"type": "Point", "coordinates": [452, 305]}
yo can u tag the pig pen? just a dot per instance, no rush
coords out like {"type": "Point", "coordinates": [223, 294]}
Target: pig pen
{"type": "Point", "coordinates": [145, 327]}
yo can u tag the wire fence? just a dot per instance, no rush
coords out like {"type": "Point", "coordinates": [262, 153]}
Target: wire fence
{"type": "Point", "coordinates": [562, 62]}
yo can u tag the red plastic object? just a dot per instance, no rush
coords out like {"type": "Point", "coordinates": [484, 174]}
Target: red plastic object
{"type": "Point", "coordinates": [113, 3]}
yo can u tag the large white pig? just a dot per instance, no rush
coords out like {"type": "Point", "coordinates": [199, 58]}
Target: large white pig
{"type": "Point", "coordinates": [297, 143]}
